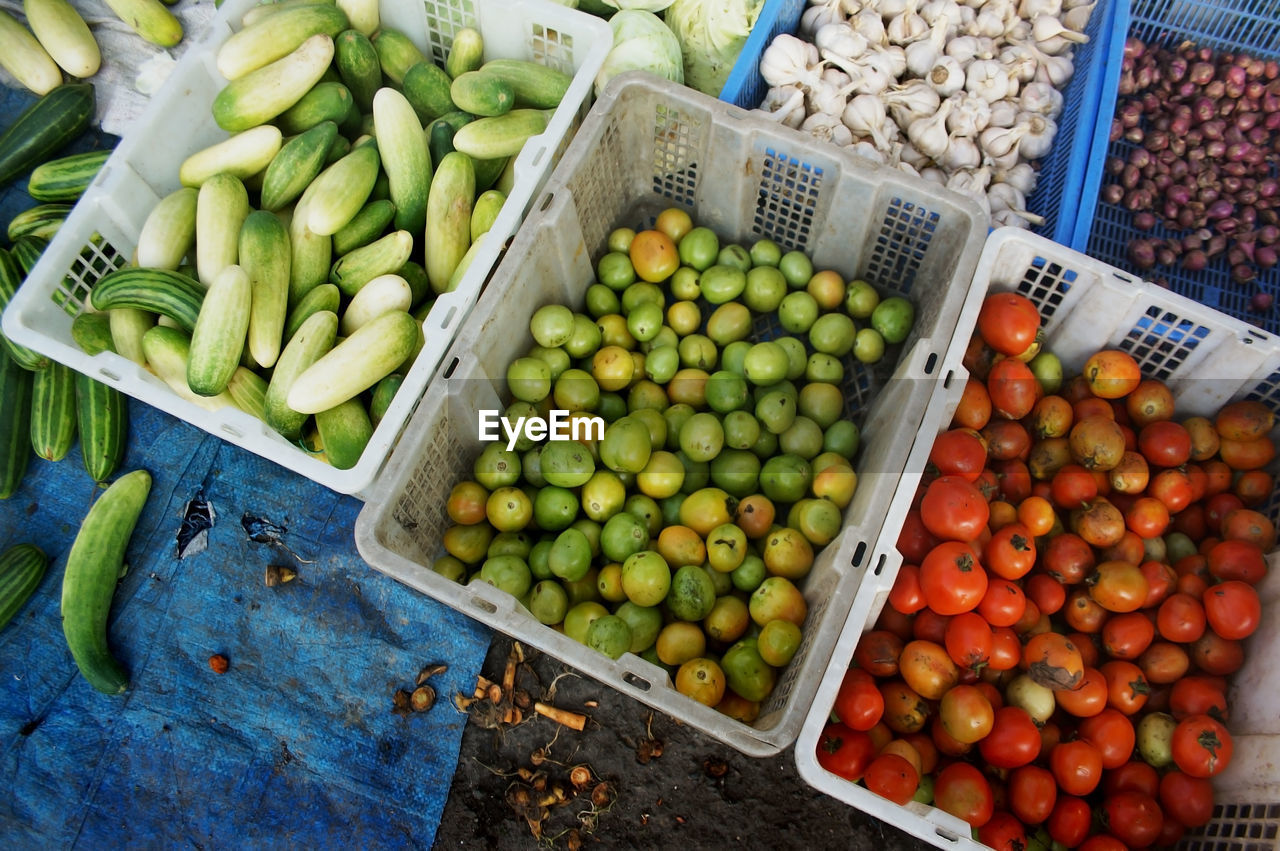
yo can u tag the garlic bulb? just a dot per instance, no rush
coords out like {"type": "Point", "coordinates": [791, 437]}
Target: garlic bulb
{"type": "Point", "coordinates": [969, 116]}
{"type": "Point", "coordinates": [1009, 218]}
{"type": "Point", "coordinates": [1004, 113]}
{"type": "Point", "coordinates": [867, 151]}
{"type": "Point", "coordinates": [906, 26]}
{"type": "Point", "coordinates": [840, 38]}
{"type": "Point", "coordinates": [828, 128]}
{"type": "Point", "coordinates": [929, 135]}
{"type": "Point", "coordinates": [933, 174]}
{"type": "Point", "coordinates": [831, 94]}
{"type": "Point", "coordinates": [1077, 17]}
{"type": "Point", "coordinates": [868, 24]}
{"type": "Point", "coordinates": [1029, 9]}
{"type": "Point", "coordinates": [790, 61]}
{"type": "Point", "coordinates": [784, 104]}
{"type": "Point", "coordinates": [895, 59]}
{"type": "Point", "coordinates": [947, 76]}
{"type": "Point", "coordinates": [961, 152]}
{"type": "Point", "coordinates": [908, 153]}
{"type": "Point", "coordinates": [923, 53]}
{"type": "Point", "coordinates": [818, 15]}
{"type": "Point", "coordinates": [1041, 98]}
{"type": "Point", "coordinates": [1055, 70]}
{"type": "Point", "coordinates": [1000, 141]}
{"type": "Point", "coordinates": [891, 8]}
{"type": "Point", "coordinates": [988, 79]}
{"type": "Point", "coordinates": [911, 100]}
{"type": "Point", "coordinates": [972, 183]}
{"type": "Point", "coordinates": [1021, 177]}
{"type": "Point", "coordinates": [1052, 37]}
{"type": "Point", "coordinates": [967, 48]}
{"type": "Point", "coordinates": [1022, 60]}
{"type": "Point", "coordinates": [989, 23]}
{"type": "Point", "coordinates": [942, 10]}
{"type": "Point", "coordinates": [864, 116]}
{"type": "Point", "coordinates": [1038, 138]}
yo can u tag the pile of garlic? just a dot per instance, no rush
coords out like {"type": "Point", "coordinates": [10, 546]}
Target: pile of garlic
{"type": "Point", "coordinates": [965, 93]}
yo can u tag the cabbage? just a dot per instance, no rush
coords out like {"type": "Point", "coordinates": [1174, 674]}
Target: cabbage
{"type": "Point", "coordinates": [642, 5]}
{"type": "Point", "coordinates": [711, 34]}
{"type": "Point", "coordinates": [641, 42]}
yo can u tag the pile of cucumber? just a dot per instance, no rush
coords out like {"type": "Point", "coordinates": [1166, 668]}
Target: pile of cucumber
{"type": "Point", "coordinates": [291, 272]}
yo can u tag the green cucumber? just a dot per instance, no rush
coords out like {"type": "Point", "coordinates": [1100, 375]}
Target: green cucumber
{"type": "Point", "coordinates": [65, 178]}
{"type": "Point", "coordinates": [261, 43]}
{"type": "Point", "coordinates": [21, 568]}
{"type": "Point", "coordinates": [485, 210]}
{"type": "Point", "coordinates": [488, 171]}
{"type": "Point", "coordinates": [482, 94]}
{"type": "Point", "coordinates": [92, 332]}
{"type": "Point", "coordinates": [439, 140]}
{"type": "Point", "coordinates": [358, 66]}
{"type": "Point", "coordinates": [355, 364]}
{"type": "Point", "coordinates": [326, 101]}
{"type": "Point", "coordinates": [311, 342]}
{"type": "Point", "coordinates": [102, 416]}
{"type": "Point", "coordinates": [217, 341]}
{"type": "Point", "coordinates": [296, 165]}
{"type": "Point", "coordinates": [94, 567]}
{"type": "Point", "coordinates": [265, 255]}
{"type": "Point", "coordinates": [22, 55]}
{"type": "Point", "coordinates": [311, 256]}
{"type": "Point", "coordinates": [324, 297]}
{"type": "Point", "coordinates": [169, 231]}
{"type": "Point", "coordinates": [383, 394]}
{"type": "Point", "coordinates": [466, 53]}
{"type": "Point", "coordinates": [162, 291]}
{"type": "Point", "coordinates": [167, 351]}
{"type": "Point", "coordinates": [242, 156]}
{"type": "Point", "coordinates": [335, 197]}
{"type": "Point", "coordinates": [15, 424]}
{"type": "Point", "coordinates": [42, 220]}
{"type": "Point", "coordinates": [264, 93]}
{"type": "Point", "coordinates": [44, 128]}
{"type": "Point", "coordinates": [419, 283]}
{"type": "Point", "coordinates": [427, 88]}
{"type": "Point", "coordinates": [339, 149]}
{"type": "Point", "coordinates": [345, 430]}
{"type": "Point", "coordinates": [53, 411]}
{"type": "Point", "coordinates": [128, 325]}
{"type": "Point", "coordinates": [380, 257]}
{"type": "Point", "coordinates": [221, 208]}
{"type": "Point", "coordinates": [396, 53]}
{"type": "Point", "coordinates": [367, 225]}
{"type": "Point", "coordinates": [249, 391]}
{"type": "Point", "coordinates": [405, 158]}
{"type": "Point", "coordinates": [502, 135]}
{"type": "Point", "coordinates": [536, 86]}
{"type": "Point", "coordinates": [448, 230]}
{"type": "Point", "coordinates": [11, 277]}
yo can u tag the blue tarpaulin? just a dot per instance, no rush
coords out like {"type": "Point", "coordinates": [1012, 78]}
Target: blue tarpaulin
{"type": "Point", "coordinates": [297, 741]}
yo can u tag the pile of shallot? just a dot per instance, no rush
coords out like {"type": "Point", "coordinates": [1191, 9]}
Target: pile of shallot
{"type": "Point", "coordinates": [965, 93]}
{"type": "Point", "coordinates": [1197, 156]}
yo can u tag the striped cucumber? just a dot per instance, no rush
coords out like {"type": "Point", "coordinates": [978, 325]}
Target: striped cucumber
{"type": "Point", "coordinates": [264, 93]}
{"type": "Point", "coordinates": [265, 255]}
{"type": "Point", "coordinates": [169, 231]}
{"type": "Point", "coordinates": [367, 225]}
{"type": "Point", "coordinates": [380, 257]}
{"type": "Point", "coordinates": [65, 35]}
{"type": "Point", "coordinates": [94, 567]}
{"type": "Point", "coordinates": [217, 341]}
{"type": "Point", "coordinates": [221, 208]}
{"type": "Point", "coordinates": [21, 568]}
{"type": "Point", "coordinates": [128, 324]}
{"type": "Point", "coordinates": [92, 332]}
{"type": "Point", "coordinates": [42, 220]}
{"type": "Point", "coordinates": [345, 430]}
{"type": "Point", "coordinates": [167, 351]}
{"type": "Point", "coordinates": [326, 101]}
{"type": "Point", "coordinates": [358, 66]}
{"type": "Point", "coordinates": [448, 228]}
{"type": "Point", "coordinates": [102, 416]}
{"type": "Point", "coordinates": [65, 178]}
{"type": "Point", "coordinates": [356, 364]}
{"type": "Point", "coordinates": [24, 57]}
{"type": "Point", "coordinates": [466, 53]}
{"type": "Point", "coordinates": [384, 293]}
{"type": "Point", "coordinates": [264, 42]}
{"type": "Point", "coordinates": [249, 391]}
{"type": "Point", "coordinates": [168, 293]}
{"type": "Point", "coordinates": [501, 135]}
{"type": "Point", "coordinates": [396, 53]}
{"type": "Point", "coordinates": [296, 165]}
{"type": "Point", "coordinates": [405, 158]}
{"type": "Point", "coordinates": [243, 155]}
{"type": "Point", "coordinates": [324, 297]}
{"type": "Point", "coordinates": [11, 277]}
{"type": "Point", "coordinates": [53, 411]}
{"type": "Point", "coordinates": [335, 197]}
{"type": "Point", "coordinates": [27, 251]}
{"type": "Point", "coordinates": [312, 341]}
{"type": "Point", "coordinates": [15, 424]}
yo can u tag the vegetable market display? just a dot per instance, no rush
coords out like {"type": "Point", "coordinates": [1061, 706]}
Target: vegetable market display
{"type": "Point", "coordinates": [1079, 573]}
{"type": "Point", "coordinates": [963, 94]}
{"type": "Point", "coordinates": [682, 532]}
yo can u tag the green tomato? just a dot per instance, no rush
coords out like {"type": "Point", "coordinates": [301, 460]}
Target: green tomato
{"type": "Point", "coordinates": [644, 321]}
{"type": "Point", "coordinates": [765, 289]}
{"type": "Point", "coordinates": [736, 256]}
{"type": "Point", "coordinates": [868, 346]}
{"type": "Point", "coordinates": [797, 268]}
{"type": "Point", "coordinates": [723, 283]}
{"type": "Point", "coordinates": [585, 339]}
{"type": "Point", "coordinates": [893, 318]}
{"type": "Point", "coordinates": [615, 271]}
{"type": "Point", "coordinates": [551, 325]}
{"type": "Point", "coordinates": [601, 300]}
{"type": "Point", "coordinates": [699, 248]}
{"type": "Point", "coordinates": [832, 333]}
{"type": "Point", "coordinates": [860, 298]}
{"type": "Point", "coordinates": [529, 379]}
{"type": "Point", "coordinates": [765, 252]}
{"type": "Point", "coordinates": [609, 635]}
{"type": "Point", "coordinates": [797, 312]}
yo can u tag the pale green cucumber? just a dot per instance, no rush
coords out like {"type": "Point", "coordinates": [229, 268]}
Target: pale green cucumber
{"type": "Point", "coordinates": [502, 135]}
{"type": "Point", "coordinates": [261, 95]}
{"type": "Point", "coordinates": [326, 101]}
{"type": "Point", "coordinates": [65, 35]}
{"type": "Point", "coordinates": [448, 227]}
{"type": "Point", "coordinates": [128, 325]}
{"type": "Point", "coordinates": [265, 256]}
{"type": "Point", "coordinates": [485, 210]}
{"type": "Point", "coordinates": [381, 295]}
{"type": "Point", "coordinates": [482, 94]}
{"type": "Point", "coordinates": [102, 417]}
{"type": "Point", "coordinates": [256, 14]}
{"type": "Point", "coordinates": [324, 297]}
{"type": "Point", "coordinates": [296, 165]}
{"type": "Point", "coordinates": [364, 15]}
{"type": "Point", "coordinates": [149, 19]}
{"type": "Point", "coordinates": [536, 86]}
{"type": "Point", "coordinates": [464, 264]}
{"type": "Point", "coordinates": [396, 53]}
{"type": "Point", "coordinates": [249, 391]}
{"type": "Point", "coordinates": [169, 231]}
{"type": "Point", "coordinates": [311, 342]}
{"type": "Point", "coordinates": [217, 341]}
{"type": "Point", "coordinates": [335, 197]}
{"type": "Point", "coordinates": [311, 256]}
{"type": "Point", "coordinates": [345, 430]}
{"type": "Point", "coordinates": [466, 53]}
{"type": "Point", "coordinates": [358, 66]}
{"type": "Point", "coordinates": [53, 411]}
{"type": "Point", "coordinates": [356, 364]}
{"type": "Point", "coordinates": [221, 208]}
{"type": "Point", "coordinates": [367, 225]}
{"type": "Point", "coordinates": [167, 350]}
{"type": "Point", "coordinates": [264, 42]}
{"type": "Point", "coordinates": [405, 158]}
{"type": "Point", "coordinates": [379, 257]}
{"type": "Point", "coordinates": [22, 55]}
{"type": "Point", "coordinates": [242, 156]}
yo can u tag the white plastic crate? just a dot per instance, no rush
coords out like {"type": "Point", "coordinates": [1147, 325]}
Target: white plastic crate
{"type": "Point", "coordinates": [101, 232]}
{"type": "Point", "coordinates": [647, 145]}
{"type": "Point", "coordinates": [1207, 359]}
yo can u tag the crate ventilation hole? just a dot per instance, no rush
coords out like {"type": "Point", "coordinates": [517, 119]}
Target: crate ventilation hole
{"type": "Point", "coordinates": [1046, 284]}
{"type": "Point", "coordinates": [906, 229]}
{"type": "Point", "coordinates": [675, 175]}
{"type": "Point", "coordinates": [96, 259]}
{"type": "Point", "coordinates": [786, 200]}
{"type": "Point", "coordinates": [1160, 341]}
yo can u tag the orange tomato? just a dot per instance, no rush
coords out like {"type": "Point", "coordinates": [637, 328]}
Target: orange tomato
{"type": "Point", "coordinates": [654, 255]}
{"type": "Point", "coordinates": [1112, 374]}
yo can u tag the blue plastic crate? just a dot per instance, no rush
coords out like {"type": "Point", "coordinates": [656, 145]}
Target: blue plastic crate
{"type": "Point", "coordinates": [1105, 230]}
{"type": "Point", "coordinates": [1063, 173]}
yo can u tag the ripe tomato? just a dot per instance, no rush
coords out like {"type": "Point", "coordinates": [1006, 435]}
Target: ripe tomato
{"type": "Point", "coordinates": [1013, 389]}
{"type": "Point", "coordinates": [1149, 402]}
{"type": "Point", "coordinates": [1087, 645]}
{"type": "Point", "coordinates": [1008, 322]}
{"type": "Point", "coordinates": [1134, 776]}
{"type": "Point", "coordinates": [859, 704]}
{"type": "Point", "coordinates": [1181, 618]}
{"type": "Point", "coordinates": [1006, 440]}
{"type": "Point", "coordinates": [927, 669]}
{"type": "Point", "coordinates": [1014, 739]}
{"type": "Point", "coordinates": [877, 653]}
{"type": "Point", "coordinates": [1254, 487]}
{"type": "Point", "coordinates": [892, 776]}
{"type": "Point", "coordinates": [1051, 417]}
{"type": "Point", "coordinates": [1077, 765]}
{"type": "Point", "coordinates": [1160, 581]}
{"type": "Point", "coordinates": [1006, 650]}
{"type": "Point", "coordinates": [1173, 488]}
{"type": "Point", "coordinates": [905, 711]}
{"type": "Point", "coordinates": [1131, 475]}
{"type": "Point", "coordinates": [952, 578]}
{"type": "Point", "coordinates": [1202, 747]}
{"type": "Point", "coordinates": [1014, 478]}
{"type": "Point", "coordinates": [654, 255]}
{"type": "Point", "coordinates": [1037, 514]}
{"type": "Point", "coordinates": [906, 595]}
{"type": "Point", "coordinates": [1127, 636]}
{"type": "Point", "coordinates": [966, 714]}
{"type": "Point", "coordinates": [1232, 609]}
{"type": "Point", "coordinates": [1068, 558]}
{"type": "Point", "coordinates": [1118, 586]}
{"type": "Point", "coordinates": [915, 541]}
{"type": "Point", "coordinates": [1112, 374]}
{"type": "Point", "coordinates": [1217, 506]}
{"type": "Point", "coordinates": [947, 744]}
{"type": "Point", "coordinates": [1242, 560]}
{"type": "Point", "coordinates": [1112, 733]}
{"type": "Point", "coordinates": [1070, 821]}
{"type": "Point", "coordinates": [1083, 613]}
{"type": "Point", "coordinates": [845, 752]}
{"type": "Point", "coordinates": [1164, 662]}
{"type": "Point", "coordinates": [1087, 699]}
{"type": "Point", "coordinates": [953, 509]}
{"type": "Point", "coordinates": [1147, 518]}
{"type": "Point", "coordinates": [1004, 604]}
{"type": "Point", "coordinates": [1046, 592]}
{"type": "Point", "coordinates": [1003, 833]}
{"type": "Point", "coordinates": [958, 452]}
{"type": "Point", "coordinates": [1073, 486]}
{"type": "Point", "coordinates": [1245, 524]}
{"type": "Point", "coordinates": [1032, 793]}
{"type": "Point", "coordinates": [974, 410]}
{"type": "Point", "coordinates": [962, 790]}
{"type": "Point", "coordinates": [968, 640]}
{"type": "Point", "coordinates": [1127, 688]}
{"type": "Point", "coordinates": [1102, 842]}
{"type": "Point", "coordinates": [1216, 655]}
{"type": "Point", "coordinates": [1053, 661]}
{"type": "Point", "coordinates": [1247, 454]}
{"type": "Point", "coordinates": [1133, 817]}
{"type": "Point", "coordinates": [1101, 524]}
{"type": "Point", "coordinates": [1097, 443]}
{"type": "Point", "coordinates": [1011, 552]}
{"type": "Point", "coordinates": [930, 626]}
{"type": "Point", "coordinates": [1165, 443]}
{"type": "Point", "coordinates": [1197, 696]}
{"type": "Point", "coordinates": [1187, 799]}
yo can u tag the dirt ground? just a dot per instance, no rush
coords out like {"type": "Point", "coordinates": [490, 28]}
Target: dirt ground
{"type": "Point", "coordinates": [655, 782]}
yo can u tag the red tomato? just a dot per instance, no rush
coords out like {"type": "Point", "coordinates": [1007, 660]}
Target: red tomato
{"type": "Point", "coordinates": [1013, 389]}
{"type": "Point", "coordinates": [1015, 481]}
{"type": "Point", "coordinates": [1006, 650]}
{"type": "Point", "coordinates": [1147, 518]}
{"type": "Point", "coordinates": [1007, 440]}
{"type": "Point", "coordinates": [1216, 655]}
{"type": "Point", "coordinates": [952, 578]}
{"type": "Point", "coordinates": [962, 790]}
{"type": "Point", "coordinates": [1004, 603]}
{"type": "Point", "coordinates": [1118, 586]}
{"type": "Point", "coordinates": [892, 776]}
{"type": "Point", "coordinates": [1187, 799]}
{"type": "Point", "coordinates": [1102, 842]}
{"type": "Point", "coordinates": [1008, 322]}
{"type": "Point", "coordinates": [927, 669]}
{"type": "Point", "coordinates": [915, 541]}
{"type": "Point", "coordinates": [974, 410]}
{"type": "Point", "coordinates": [1197, 696]}
{"type": "Point", "coordinates": [906, 595]}
{"type": "Point", "coordinates": [1181, 618]}
{"type": "Point", "coordinates": [1242, 560]}
{"type": "Point", "coordinates": [1003, 833]}
{"type": "Point", "coordinates": [1127, 688]}
{"type": "Point", "coordinates": [1165, 444]}
{"type": "Point", "coordinates": [1046, 592]}
{"type": "Point", "coordinates": [859, 704]}
{"type": "Point", "coordinates": [958, 452]}
{"type": "Point", "coordinates": [845, 752]}
{"type": "Point", "coordinates": [968, 640]}
{"type": "Point", "coordinates": [1173, 488]}
{"type": "Point", "coordinates": [1160, 580]}
{"type": "Point", "coordinates": [1053, 661]}
{"type": "Point", "coordinates": [1073, 486]}
{"type": "Point", "coordinates": [1070, 821]}
{"type": "Point", "coordinates": [1164, 662]}
{"type": "Point", "coordinates": [877, 653]}
{"type": "Point", "coordinates": [1068, 558]}
{"type": "Point", "coordinates": [1232, 609]}
{"type": "Point", "coordinates": [1032, 793]}
{"type": "Point", "coordinates": [1014, 739]}
{"type": "Point", "coordinates": [953, 509]}
{"type": "Point", "coordinates": [930, 626]}
{"type": "Point", "coordinates": [1011, 552]}
{"type": "Point", "coordinates": [1127, 636]}
{"type": "Point", "coordinates": [1077, 765]}
{"type": "Point", "coordinates": [1202, 747]}
{"type": "Point", "coordinates": [1134, 776]}
{"type": "Point", "coordinates": [1112, 734]}
{"type": "Point", "coordinates": [1133, 817]}
{"type": "Point", "coordinates": [1218, 506]}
